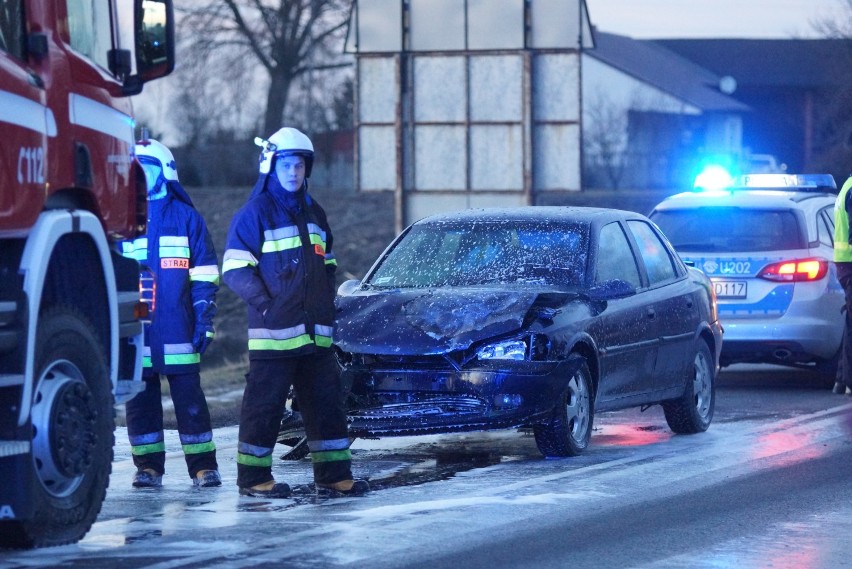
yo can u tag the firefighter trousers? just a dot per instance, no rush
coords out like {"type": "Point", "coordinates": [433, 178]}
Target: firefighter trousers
{"type": "Point", "coordinates": [145, 424]}
{"type": "Point", "coordinates": [316, 379]}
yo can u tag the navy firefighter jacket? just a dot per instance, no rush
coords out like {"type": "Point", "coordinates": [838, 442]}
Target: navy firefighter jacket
{"type": "Point", "coordinates": [179, 252]}
{"type": "Point", "coordinates": [278, 259]}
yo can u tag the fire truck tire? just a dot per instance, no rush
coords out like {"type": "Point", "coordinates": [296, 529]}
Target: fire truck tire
{"type": "Point", "coordinates": [73, 423]}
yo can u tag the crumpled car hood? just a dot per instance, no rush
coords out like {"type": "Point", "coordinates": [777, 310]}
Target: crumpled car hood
{"type": "Point", "coordinates": [426, 322]}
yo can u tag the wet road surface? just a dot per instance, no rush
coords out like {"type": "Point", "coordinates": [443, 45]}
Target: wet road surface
{"type": "Point", "coordinates": [766, 486]}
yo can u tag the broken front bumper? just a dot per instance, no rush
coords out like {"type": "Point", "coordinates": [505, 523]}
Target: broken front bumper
{"type": "Point", "coordinates": [409, 401]}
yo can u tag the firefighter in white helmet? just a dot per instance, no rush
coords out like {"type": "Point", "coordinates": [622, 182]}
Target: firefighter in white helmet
{"type": "Point", "coordinates": [178, 251]}
{"type": "Point", "coordinates": [279, 260]}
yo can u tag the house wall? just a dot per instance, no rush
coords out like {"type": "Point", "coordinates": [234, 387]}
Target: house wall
{"type": "Point", "coordinates": [635, 135]}
{"type": "Point", "coordinates": [626, 92]}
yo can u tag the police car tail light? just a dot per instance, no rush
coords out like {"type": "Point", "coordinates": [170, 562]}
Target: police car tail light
{"type": "Point", "coordinates": [799, 270]}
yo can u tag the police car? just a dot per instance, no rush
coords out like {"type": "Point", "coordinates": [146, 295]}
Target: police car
{"type": "Point", "coordinates": [766, 242]}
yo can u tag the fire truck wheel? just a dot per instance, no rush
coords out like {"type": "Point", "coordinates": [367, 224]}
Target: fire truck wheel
{"type": "Point", "coordinates": [73, 423]}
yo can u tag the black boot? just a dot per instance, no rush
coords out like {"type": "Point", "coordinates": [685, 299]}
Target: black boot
{"type": "Point", "coordinates": [356, 487]}
{"type": "Point", "coordinates": [277, 490]}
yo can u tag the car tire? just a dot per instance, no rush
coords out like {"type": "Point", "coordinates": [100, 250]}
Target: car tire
{"type": "Point", "coordinates": [73, 423]}
{"type": "Point", "coordinates": [693, 411]}
{"type": "Point", "coordinates": [569, 430]}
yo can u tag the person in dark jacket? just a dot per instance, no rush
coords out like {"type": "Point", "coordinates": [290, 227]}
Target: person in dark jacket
{"type": "Point", "coordinates": [279, 260]}
{"type": "Point", "coordinates": [179, 253]}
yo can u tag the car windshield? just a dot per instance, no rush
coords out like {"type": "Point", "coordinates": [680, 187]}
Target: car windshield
{"type": "Point", "coordinates": [478, 253]}
{"type": "Point", "coordinates": [730, 229]}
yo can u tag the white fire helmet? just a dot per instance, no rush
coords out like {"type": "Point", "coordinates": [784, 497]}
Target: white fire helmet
{"type": "Point", "coordinates": [286, 141]}
{"type": "Point", "coordinates": [150, 151]}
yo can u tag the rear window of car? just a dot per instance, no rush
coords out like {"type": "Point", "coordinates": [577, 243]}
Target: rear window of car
{"type": "Point", "coordinates": [730, 229]}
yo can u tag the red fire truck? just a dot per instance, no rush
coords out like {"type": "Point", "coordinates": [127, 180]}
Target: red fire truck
{"type": "Point", "coordinates": [70, 187]}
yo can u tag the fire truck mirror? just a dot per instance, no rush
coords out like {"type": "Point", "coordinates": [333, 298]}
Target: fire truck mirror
{"type": "Point", "coordinates": [155, 46]}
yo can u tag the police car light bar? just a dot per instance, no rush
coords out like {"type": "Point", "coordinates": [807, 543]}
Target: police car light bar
{"type": "Point", "coordinates": [812, 182]}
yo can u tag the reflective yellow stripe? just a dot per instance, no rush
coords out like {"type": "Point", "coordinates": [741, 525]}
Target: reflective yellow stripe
{"type": "Point", "coordinates": [281, 245]}
{"type": "Point", "coordinates": [199, 448]}
{"type": "Point", "coordinates": [281, 345]}
{"type": "Point", "coordinates": [181, 359]}
{"type": "Point", "coordinates": [237, 259]}
{"type": "Point", "coordinates": [204, 279]}
{"type": "Point", "coordinates": [249, 460]}
{"type": "Point", "coordinates": [331, 455]}
{"type": "Point", "coordinates": [205, 273]}
{"type": "Point", "coordinates": [136, 249]}
{"type": "Point", "coordinates": [148, 449]}
{"type": "Point", "coordinates": [842, 249]}
{"type": "Point", "coordinates": [232, 264]}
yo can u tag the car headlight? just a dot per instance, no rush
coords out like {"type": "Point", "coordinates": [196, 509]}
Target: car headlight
{"type": "Point", "coordinates": [508, 350]}
{"type": "Point", "coordinates": [533, 347]}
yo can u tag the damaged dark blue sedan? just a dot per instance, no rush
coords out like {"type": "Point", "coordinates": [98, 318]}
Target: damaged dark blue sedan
{"type": "Point", "coordinates": [534, 317]}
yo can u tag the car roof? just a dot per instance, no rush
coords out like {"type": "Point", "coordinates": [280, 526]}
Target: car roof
{"type": "Point", "coordinates": [584, 215]}
{"type": "Point", "coordinates": [775, 199]}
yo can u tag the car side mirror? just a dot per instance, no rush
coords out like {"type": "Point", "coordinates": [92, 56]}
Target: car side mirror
{"type": "Point", "coordinates": [348, 287]}
{"type": "Point", "coordinates": [611, 289]}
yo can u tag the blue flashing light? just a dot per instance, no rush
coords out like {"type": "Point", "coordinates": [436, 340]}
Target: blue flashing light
{"type": "Point", "coordinates": [713, 177]}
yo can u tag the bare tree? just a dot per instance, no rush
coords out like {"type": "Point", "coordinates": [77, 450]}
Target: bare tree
{"type": "Point", "coordinates": [288, 39]}
{"type": "Point", "coordinates": [838, 28]}
{"type": "Point", "coordinates": [605, 139]}
{"type": "Point", "coordinates": [343, 107]}
{"type": "Point", "coordinates": [832, 138]}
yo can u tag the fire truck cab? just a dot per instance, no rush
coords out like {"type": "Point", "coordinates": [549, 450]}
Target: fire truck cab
{"type": "Point", "coordinates": [70, 189]}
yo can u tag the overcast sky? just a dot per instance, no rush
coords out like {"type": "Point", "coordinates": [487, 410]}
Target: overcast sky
{"type": "Point", "coordinates": [713, 18]}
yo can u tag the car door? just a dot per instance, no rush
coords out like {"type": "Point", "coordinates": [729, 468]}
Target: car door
{"type": "Point", "coordinates": [672, 304]}
{"type": "Point", "coordinates": [627, 340]}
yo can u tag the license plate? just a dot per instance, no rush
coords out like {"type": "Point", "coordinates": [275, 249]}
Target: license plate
{"type": "Point", "coordinates": [730, 289]}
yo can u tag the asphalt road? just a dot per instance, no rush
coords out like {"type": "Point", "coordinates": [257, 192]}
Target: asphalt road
{"type": "Point", "coordinates": [765, 486]}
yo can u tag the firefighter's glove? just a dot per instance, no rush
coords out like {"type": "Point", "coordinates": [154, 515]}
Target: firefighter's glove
{"type": "Point", "coordinates": [203, 335]}
{"type": "Point", "coordinates": [202, 338]}
{"type": "Point", "coordinates": [204, 310]}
